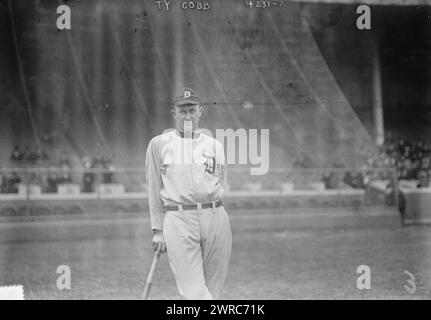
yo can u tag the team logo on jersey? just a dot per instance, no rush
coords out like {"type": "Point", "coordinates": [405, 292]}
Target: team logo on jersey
{"type": "Point", "coordinates": [163, 168]}
{"type": "Point", "coordinates": [209, 163]}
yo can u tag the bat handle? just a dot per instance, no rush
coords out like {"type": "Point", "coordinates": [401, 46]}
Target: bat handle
{"type": "Point", "coordinates": [150, 275]}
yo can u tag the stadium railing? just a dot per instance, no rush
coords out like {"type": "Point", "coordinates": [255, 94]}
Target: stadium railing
{"type": "Point", "coordinates": [318, 186]}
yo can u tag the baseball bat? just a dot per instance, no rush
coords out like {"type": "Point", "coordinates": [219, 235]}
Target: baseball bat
{"type": "Point", "coordinates": [150, 274]}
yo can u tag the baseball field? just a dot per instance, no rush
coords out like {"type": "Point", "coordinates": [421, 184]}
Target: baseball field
{"type": "Point", "coordinates": [302, 254]}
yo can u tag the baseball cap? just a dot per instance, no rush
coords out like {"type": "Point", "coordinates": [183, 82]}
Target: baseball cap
{"type": "Point", "coordinates": [187, 97]}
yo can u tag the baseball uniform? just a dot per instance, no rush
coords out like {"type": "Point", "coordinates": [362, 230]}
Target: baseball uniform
{"type": "Point", "coordinates": [185, 178]}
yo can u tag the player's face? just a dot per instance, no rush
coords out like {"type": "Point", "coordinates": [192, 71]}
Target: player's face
{"type": "Point", "coordinates": [187, 113]}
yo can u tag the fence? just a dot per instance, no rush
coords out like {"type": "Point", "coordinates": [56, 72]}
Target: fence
{"type": "Point", "coordinates": [35, 191]}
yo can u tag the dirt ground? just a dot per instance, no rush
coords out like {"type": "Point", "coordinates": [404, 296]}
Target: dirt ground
{"type": "Point", "coordinates": [274, 256]}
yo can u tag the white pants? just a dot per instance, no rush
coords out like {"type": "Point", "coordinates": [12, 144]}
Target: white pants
{"type": "Point", "coordinates": [198, 245]}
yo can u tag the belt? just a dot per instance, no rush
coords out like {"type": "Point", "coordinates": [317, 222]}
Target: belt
{"type": "Point", "coordinates": [206, 205]}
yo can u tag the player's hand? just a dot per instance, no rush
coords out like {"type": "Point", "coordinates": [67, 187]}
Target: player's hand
{"type": "Point", "coordinates": [159, 241]}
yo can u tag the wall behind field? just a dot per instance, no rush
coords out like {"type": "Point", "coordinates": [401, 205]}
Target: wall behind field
{"type": "Point", "coordinates": [401, 36]}
{"type": "Point", "coordinates": [348, 53]}
{"type": "Point", "coordinates": [104, 87]}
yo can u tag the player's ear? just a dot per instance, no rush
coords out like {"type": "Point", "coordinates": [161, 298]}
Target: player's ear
{"type": "Point", "coordinates": [201, 109]}
{"type": "Point", "coordinates": [173, 112]}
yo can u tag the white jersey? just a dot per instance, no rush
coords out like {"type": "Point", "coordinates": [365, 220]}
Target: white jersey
{"type": "Point", "coordinates": [183, 171]}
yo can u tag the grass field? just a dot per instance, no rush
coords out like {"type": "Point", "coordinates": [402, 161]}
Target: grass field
{"type": "Point", "coordinates": [274, 256]}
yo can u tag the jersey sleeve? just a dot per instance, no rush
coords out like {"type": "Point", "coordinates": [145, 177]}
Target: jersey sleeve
{"type": "Point", "coordinates": [154, 184]}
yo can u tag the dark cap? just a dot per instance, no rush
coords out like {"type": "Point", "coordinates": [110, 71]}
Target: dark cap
{"type": "Point", "coordinates": [187, 97]}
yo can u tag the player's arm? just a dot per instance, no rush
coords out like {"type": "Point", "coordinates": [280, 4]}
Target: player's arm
{"type": "Point", "coordinates": [221, 159]}
{"type": "Point", "coordinates": [155, 184]}
{"type": "Point", "coordinates": [223, 175]}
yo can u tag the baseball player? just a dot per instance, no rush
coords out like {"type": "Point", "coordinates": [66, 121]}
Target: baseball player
{"type": "Point", "coordinates": [186, 173]}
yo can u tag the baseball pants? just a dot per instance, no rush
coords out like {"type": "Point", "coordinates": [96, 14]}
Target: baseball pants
{"type": "Point", "coordinates": [198, 246]}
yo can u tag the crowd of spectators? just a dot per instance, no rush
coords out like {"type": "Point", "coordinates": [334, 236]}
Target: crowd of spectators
{"type": "Point", "coordinates": [97, 170]}
{"type": "Point", "coordinates": [410, 159]}
{"type": "Point", "coordinates": [9, 182]}
{"type": "Point", "coordinates": [28, 155]}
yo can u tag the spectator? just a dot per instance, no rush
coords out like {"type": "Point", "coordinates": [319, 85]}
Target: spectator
{"type": "Point", "coordinates": [98, 162]}
{"type": "Point", "coordinates": [421, 145]}
{"type": "Point", "coordinates": [88, 177]}
{"type": "Point", "coordinates": [348, 178]}
{"type": "Point", "coordinates": [358, 180]}
{"type": "Point", "coordinates": [425, 163]}
{"type": "Point", "coordinates": [26, 153]}
{"type": "Point", "coordinates": [99, 165]}
{"type": "Point", "coordinates": [354, 179]}
{"type": "Point", "coordinates": [40, 155]}
{"type": "Point", "coordinates": [303, 162]}
{"type": "Point", "coordinates": [65, 176]}
{"type": "Point", "coordinates": [12, 183]}
{"type": "Point", "coordinates": [423, 179]}
{"type": "Point", "coordinates": [31, 156]}
{"type": "Point", "coordinates": [107, 176]}
{"type": "Point", "coordinates": [52, 181]}
{"type": "Point", "coordinates": [4, 184]}
{"type": "Point", "coordinates": [337, 175]}
{"type": "Point", "coordinates": [16, 154]}
{"type": "Point", "coordinates": [408, 170]}
{"type": "Point", "coordinates": [326, 179]}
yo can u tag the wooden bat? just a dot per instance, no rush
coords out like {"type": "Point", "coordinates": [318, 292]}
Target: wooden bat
{"type": "Point", "coordinates": [150, 274]}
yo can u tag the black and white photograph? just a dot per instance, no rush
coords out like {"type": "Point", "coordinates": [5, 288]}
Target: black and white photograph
{"type": "Point", "coordinates": [215, 150]}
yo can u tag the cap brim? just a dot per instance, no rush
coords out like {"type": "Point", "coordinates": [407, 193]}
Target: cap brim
{"type": "Point", "coordinates": [187, 102]}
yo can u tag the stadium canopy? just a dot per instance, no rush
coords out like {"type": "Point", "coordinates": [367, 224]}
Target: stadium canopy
{"type": "Point", "coordinates": [373, 2]}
